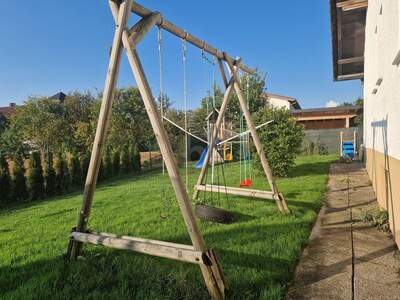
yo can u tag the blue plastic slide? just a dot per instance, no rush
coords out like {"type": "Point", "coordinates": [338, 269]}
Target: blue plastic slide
{"type": "Point", "coordinates": [200, 163]}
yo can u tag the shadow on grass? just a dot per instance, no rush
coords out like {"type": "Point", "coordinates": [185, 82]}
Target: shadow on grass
{"type": "Point", "coordinates": [77, 191]}
{"type": "Point", "coordinates": [312, 168]}
{"type": "Point", "coordinates": [122, 274]}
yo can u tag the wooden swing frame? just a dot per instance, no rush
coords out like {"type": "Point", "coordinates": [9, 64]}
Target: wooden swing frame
{"type": "Point", "coordinates": [234, 85]}
{"type": "Point", "coordinates": [128, 38]}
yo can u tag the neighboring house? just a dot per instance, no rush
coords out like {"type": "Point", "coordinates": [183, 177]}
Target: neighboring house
{"type": "Point", "coordinates": [8, 110]}
{"type": "Point", "coordinates": [327, 117]}
{"type": "Point", "coordinates": [280, 101]}
{"type": "Point", "coordinates": [366, 45]}
{"type": "Point", "coordinates": [59, 96]}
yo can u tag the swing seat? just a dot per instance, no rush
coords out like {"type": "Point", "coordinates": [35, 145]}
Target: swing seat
{"type": "Point", "coordinates": [228, 157]}
{"type": "Point", "coordinates": [247, 182]}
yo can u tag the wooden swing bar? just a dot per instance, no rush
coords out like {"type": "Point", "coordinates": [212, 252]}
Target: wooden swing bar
{"type": "Point", "coordinates": [175, 30]}
{"type": "Point", "coordinates": [236, 191]}
{"type": "Point", "coordinates": [169, 250]}
{"type": "Point", "coordinates": [125, 38]}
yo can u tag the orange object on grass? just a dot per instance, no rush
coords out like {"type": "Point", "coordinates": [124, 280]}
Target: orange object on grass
{"type": "Point", "coordinates": [246, 182]}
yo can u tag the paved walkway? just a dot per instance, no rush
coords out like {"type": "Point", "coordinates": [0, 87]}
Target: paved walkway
{"type": "Point", "coordinates": [346, 258]}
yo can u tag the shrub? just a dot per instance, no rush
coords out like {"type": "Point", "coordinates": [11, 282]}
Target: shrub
{"type": "Point", "coordinates": [74, 168]}
{"type": "Point", "coordinates": [35, 177]}
{"type": "Point", "coordinates": [135, 158]}
{"type": "Point", "coordinates": [126, 166]}
{"type": "Point", "coordinates": [85, 165]}
{"type": "Point", "coordinates": [20, 191]}
{"type": "Point", "coordinates": [101, 174]}
{"type": "Point", "coordinates": [116, 160]}
{"type": "Point", "coordinates": [61, 171]}
{"type": "Point", "coordinates": [50, 176]}
{"type": "Point", "coordinates": [378, 218]}
{"type": "Point", "coordinates": [107, 165]}
{"type": "Point", "coordinates": [5, 180]}
{"type": "Point", "coordinates": [281, 140]}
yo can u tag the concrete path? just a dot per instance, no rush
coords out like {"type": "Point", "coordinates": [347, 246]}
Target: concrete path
{"type": "Point", "coordinates": [346, 258]}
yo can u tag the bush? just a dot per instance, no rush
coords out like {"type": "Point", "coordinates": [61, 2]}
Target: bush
{"type": "Point", "coordinates": [281, 140]}
{"type": "Point", "coordinates": [126, 166]}
{"type": "Point", "coordinates": [35, 177]}
{"type": "Point", "coordinates": [5, 180]}
{"type": "Point", "coordinates": [116, 161]}
{"type": "Point", "coordinates": [20, 191]}
{"type": "Point", "coordinates": [135, 158]}
{"type": "Point", "coordinates": [85, 165]}
{"type": "Point", "coordinates": [74, 168]}
{"type": "Point", "coordinates": [62, 177]}
{"type": "Point", "coordinates": [50, 176]}
{"type": "Point", "coordinates": [107, 165]}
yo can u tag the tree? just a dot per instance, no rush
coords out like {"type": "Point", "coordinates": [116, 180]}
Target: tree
{"type": "Point", "coordinates": [4, 122]}
{"type": "Point", "coordinates": [74, 168]}
{"type": "Point", "coordinates": [85, 165]}
{"type": "Point", "coordinates": [81, 113]}
{"type": "Point", "coordinates": [126, 166]}
{"type": "Point", "coordinates": [35, 177]}
{"type": "Point", "coordinates": [135, 158]}
{"type": "Point", "coordinates": [116, 162]}
{"type": "Point", "coordinates": [281, 140]}
{"type": "Point", "coordinates": [50, 176]}
{"type": "Point", "coordinates": [107, 162]}
{"type": "Point", "coordinates": [129, 119]}
{"type": "Point", "coordinates": [20, 191]}
{"type": "Point", "coordinates": [61, 172]}
{"type": "Point", "coordinates": [5, 180]}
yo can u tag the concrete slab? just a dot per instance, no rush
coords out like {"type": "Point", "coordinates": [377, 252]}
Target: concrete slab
{"type": "Point", "coordinates": [346, 258]}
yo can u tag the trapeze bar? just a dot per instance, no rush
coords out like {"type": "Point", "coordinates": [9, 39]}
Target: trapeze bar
{"type": "Point", "coordinates": [185, 131]}
{"type": "Point", "coordinates": [175, 30]}
{"type": "Point", "coordinates": [244, 133]}
{"type": "Point", "coordinates": [236, 191]}
{"type": "Point", "coordinates": [152, 247]}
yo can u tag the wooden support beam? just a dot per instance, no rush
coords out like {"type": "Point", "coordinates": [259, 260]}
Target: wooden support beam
{"type": "Point", "coordinates": [237, 191]}
{"type": "Point", "coordinates": [211, 274]}
{"type": "Point", "coordinates": [352, 4]}
{"type": "Point", "coordinates": [121, 19]}
{"type": "Point", "coordinates": [139, 30]}
{"type": "Point", "coordinates": [280, 201]}
{"type": "Point", "coordinates": [214, 134]}
{"type": "Point", "coordinates": [351, 76]}
{"type": "Point", "coordinates": [351, 60]}
{"type": "Point", "coordinates": [175, 30]}
{"type": "Point", "coordinates": [152, 247]}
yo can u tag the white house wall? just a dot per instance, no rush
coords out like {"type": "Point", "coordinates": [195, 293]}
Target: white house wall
{"type": "Point", "coordinates": [382, 105]}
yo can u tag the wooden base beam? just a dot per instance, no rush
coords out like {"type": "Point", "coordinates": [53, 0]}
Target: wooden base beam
{"type": "Point", "coordinates": [169, 250]}
{"type": "Point", "coordinates": [237, 191]}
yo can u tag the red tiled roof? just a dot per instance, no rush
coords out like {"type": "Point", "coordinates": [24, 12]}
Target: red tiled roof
{"type": "Point", "coordinates": [7, 110]}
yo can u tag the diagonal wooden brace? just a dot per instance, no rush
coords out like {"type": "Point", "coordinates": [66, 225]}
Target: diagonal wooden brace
{"type": "Point", "coordinates": [280, 201]}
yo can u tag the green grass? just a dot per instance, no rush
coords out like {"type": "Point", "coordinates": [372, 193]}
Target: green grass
{"type": "Point", "coordinates": [258, 253]}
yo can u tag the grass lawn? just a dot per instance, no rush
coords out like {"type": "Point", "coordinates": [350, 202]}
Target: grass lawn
{"type": "Point", "coordinates": [258, 253]}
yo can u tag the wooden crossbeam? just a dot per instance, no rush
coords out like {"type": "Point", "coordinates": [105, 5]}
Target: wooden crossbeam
{"type": "Point", "coordinates": [344, 61]}
{"type": "Point", "coordinates": [237, 191]}
{"type": "Point", "coordinates": [352, 4]}
{"type": "Point", "coordinates": [175, 30]}
{"type": "Point", "coordinates": [174, 251]}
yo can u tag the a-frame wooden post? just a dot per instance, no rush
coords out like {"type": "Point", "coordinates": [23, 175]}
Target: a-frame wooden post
{"type": "Point", "coordinates": [201, 186]}
{"type": "Point", "coordinates": [198, 253]}
{"type": "Point", "coordinates": [104, 116]}
{"type": "Point", "coordinates": [280, 201]}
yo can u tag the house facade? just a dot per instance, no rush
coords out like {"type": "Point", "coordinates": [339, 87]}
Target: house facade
{"type": "Point", "coordinates": [280, 101]}
{"type": "Point", "coordinates": [379, 23]}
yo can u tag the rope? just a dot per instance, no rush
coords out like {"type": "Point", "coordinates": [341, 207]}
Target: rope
{"type": "Point", "coordinates": [184, 52]}
{"type": "Point", "coordinates": [160, 58]}
{"type": "Point", "coordinates": [165, 200]}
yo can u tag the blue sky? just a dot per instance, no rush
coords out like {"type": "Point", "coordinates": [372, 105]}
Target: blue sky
{"type": "Point", "coordinates": [51, 46]}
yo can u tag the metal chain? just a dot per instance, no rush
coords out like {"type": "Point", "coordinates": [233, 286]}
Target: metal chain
{"type": "Point", "coordinates": [184, 53]}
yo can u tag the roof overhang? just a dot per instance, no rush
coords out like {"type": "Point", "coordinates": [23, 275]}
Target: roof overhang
{"type": "Point", "coordinates": [348, 18]}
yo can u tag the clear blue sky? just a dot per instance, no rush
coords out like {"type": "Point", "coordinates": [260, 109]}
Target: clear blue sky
{"type": "Point", "coordinates": [51, 46]}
